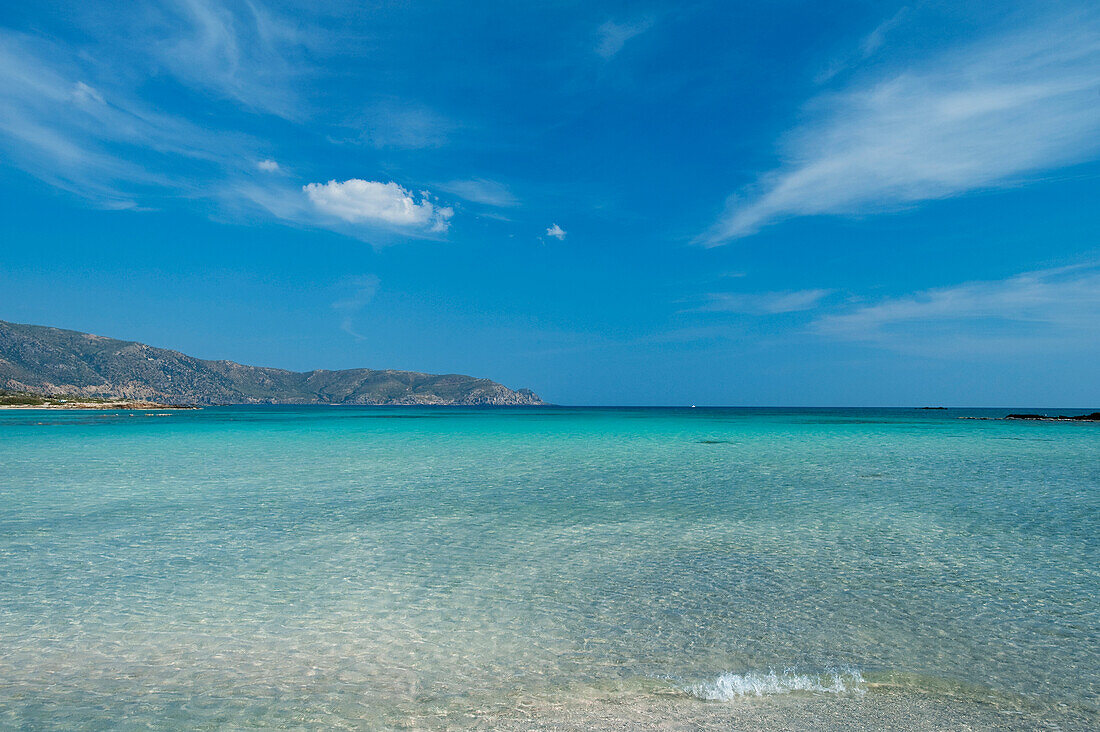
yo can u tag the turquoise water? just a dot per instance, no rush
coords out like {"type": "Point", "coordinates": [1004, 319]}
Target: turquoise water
{"type": "Point", "coordinates": [368, 568]}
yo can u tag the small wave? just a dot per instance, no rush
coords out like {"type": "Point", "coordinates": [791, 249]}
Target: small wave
{"type": "Point", "coordinates": [733, 686]}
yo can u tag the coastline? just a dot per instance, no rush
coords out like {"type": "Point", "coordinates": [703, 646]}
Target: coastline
{"type": "Point", "coordinates": [128, 405]}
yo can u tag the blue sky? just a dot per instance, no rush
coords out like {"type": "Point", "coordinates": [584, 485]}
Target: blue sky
{"type": "Point", "coordinates": [611, 203]}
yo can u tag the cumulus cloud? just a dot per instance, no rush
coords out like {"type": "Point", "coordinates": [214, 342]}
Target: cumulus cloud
{"type": "Point", "coordinates": [612, 36]}
{"type": "Point", "coordinates": [1053, 308]}
{"type": "Point", "coordinates": [763, 303]}
{"type": "Point", "coordinates": [73, 120]}
{"type": "Point", "coordinates": [359, 201]}
{"type": "Point", "coordinates": [556, 231]}
{"type": "Point", "coordinates": [987, 115]}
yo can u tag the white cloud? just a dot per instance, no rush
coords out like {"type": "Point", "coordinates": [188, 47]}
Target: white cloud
{"type": "Point", "coordinates": [763, 303]}
{"type": "Point", "coordinates": [359, 201]}
{"type": "Point", "coordinates": [1054, 308]}
{"type": "Point", "coordinates": [613, 36]}
{"type": "Point", "coordinates": [556, 231]}
{"type": "Point", "coordinates": [480, 190]}
{"type": "Point", "coordinates": [983, 116]}
{"type": "Point", "coordinates": [72, 120]}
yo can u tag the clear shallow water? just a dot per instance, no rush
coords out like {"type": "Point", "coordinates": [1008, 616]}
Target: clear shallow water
{"type": "Point", "coordinates": [367, 568]}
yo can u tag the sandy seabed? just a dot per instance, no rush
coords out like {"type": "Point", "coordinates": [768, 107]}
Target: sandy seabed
{"type": "Point", "coordinates": [875, 710]}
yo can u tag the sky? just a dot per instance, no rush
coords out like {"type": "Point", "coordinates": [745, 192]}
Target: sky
{"type": "Point", "coordinates": [727, 203]}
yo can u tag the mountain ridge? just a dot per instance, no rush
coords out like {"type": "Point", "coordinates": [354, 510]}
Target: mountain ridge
{"type": "Point", "coordinates": [46, 360]}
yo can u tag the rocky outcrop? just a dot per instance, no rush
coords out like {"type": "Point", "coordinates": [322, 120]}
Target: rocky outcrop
{"type": "Point", "coordinates": [1093, 417]}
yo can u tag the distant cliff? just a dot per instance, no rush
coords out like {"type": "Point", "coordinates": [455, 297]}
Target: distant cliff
{"type": "Point", "coordinates": [44, 360]}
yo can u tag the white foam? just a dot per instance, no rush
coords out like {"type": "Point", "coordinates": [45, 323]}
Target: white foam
{"type": "Point", "coordinates": [732, 686]}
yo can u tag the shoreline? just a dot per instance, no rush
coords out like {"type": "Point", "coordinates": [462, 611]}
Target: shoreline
{"type": "Point", "coordinates": [100, 406]}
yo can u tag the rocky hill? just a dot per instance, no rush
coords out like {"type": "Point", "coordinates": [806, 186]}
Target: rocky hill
{"type": "Point", "coordinates": [45, 360]}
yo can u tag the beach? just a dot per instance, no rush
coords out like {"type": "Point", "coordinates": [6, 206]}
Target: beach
{"type": "Point", "coordinates": [103, 405]}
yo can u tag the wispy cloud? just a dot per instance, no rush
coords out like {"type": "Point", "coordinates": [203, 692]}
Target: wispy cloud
{"type": "Point", "coordinates": [763, 303]}
{"type": "Point", "coordinates": [1057, 309]}
{"type": "Point", "coordinates": [400, 125]}
{"type": "Point", "coordinates": [480, 190]}
{"type": "Point", "coordinates": [359, 292]}
{"type": "Point", "coordinates": [366, 201]}
{"type": "Point", "coordinates": [873, 41]}
{"type": "Point", "coordinates": [987, 115]}
{"type": "Point", "coordinates": [557, 232]}
{"type": "Point", "coordinates": [241, 51]}
{"type": "Point", "coordinates": [65, 122]}
{"type": "Point", "coordinates": [62, 126]}
{"type": "Point", "coordinates": [612, 35]}
{"type": "Point", "coordinates": [868, 46]}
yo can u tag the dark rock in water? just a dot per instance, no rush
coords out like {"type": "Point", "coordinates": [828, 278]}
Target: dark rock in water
{"type": "Point", "coordinates": [52, 361]}
{"type": "Point", "coordinates": [1092, 417]}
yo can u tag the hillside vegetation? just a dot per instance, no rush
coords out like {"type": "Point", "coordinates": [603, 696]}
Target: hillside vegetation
{"type": "Point", "coordinates": [52, 361]}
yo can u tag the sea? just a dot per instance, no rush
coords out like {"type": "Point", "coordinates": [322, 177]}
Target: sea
{"type": "Point", "coordinates": [548, 568]}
